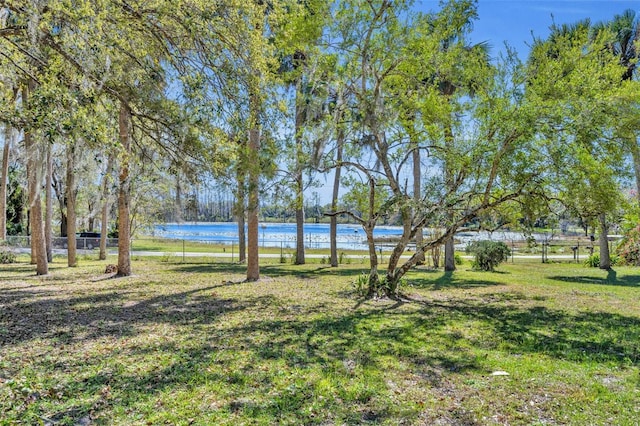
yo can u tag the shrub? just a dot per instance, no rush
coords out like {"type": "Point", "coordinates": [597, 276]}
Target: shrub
{"type": "Point", "coordinates": [629, 248]}
{"type": "Point", "coordinates": [458, 259]}
{"type": "Point", "coordinates": [7, 256]}
{"type": "Point", "coordinates": [488, 254]}
{"type": "Point", "coordinates": [593, 261]}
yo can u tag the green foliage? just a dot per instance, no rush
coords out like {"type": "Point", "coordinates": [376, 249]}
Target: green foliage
{"type": "Point", "coordinates": [593, 261]}
{"type": "Point", "coordinates": [629, 248]}
{"type": "Point", "coordinates": [7, 255]}
{"type": "Point", "coordinates": [458, 259]}
{"type": "Point", "coordinates": [361, 284]}
{"type": "Point", "coordinates": [488, 254]}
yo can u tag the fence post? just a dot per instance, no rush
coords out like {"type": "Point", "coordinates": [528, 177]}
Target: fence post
{"type": "Point", "coordinates": [183, 250]}
{"type": "Point", "coordinates": [232, 246]}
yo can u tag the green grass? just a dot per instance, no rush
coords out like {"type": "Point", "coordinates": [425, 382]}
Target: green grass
{"type": "Point", "coordinates": [191, 343]}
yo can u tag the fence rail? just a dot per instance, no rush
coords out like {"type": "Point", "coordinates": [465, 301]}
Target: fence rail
{"type": "Point", "coordinates": [571, 250]}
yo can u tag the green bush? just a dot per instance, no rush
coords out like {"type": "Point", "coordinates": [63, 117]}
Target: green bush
{"type": "Point", "coordinates": [629, 248]}
{"type": "Point", "coordinates": [593, 261]}
{"type": "Point", "coordinates": [458, 259]}
{"type": "Point", "coordinates": [7, 256]}
{"type": "Point", "coordinates": [488, 254]}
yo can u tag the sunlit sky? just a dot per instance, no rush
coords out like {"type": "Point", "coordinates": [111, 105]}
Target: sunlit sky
{"type": "Point", "coordinates": [514, 21]}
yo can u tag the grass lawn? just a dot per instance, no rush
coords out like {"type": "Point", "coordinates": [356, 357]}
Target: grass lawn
{"type": "Point", "coordinates": [193, 344]}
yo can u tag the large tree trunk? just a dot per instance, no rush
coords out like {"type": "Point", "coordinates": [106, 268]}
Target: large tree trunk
{"type": "Point", "coordinates": [104, 220]}
{"type": "Point", "coordinates": [449, 248]}
{"type": "Point", "coordinates": [34, 178]}
{"type": "Point", "coordinates": [374, 279]}
{"type": "Point", "coordinates": [177, 209]}
{"type": "Point", "coordinates": [417, 189]}
{"type": "Point", "coordinates": [4, 178]}
{"type": "Point", "coordinates": [239, 207]}
{"type": "Point", "coordinates": [333, 227]}
{"type": "Point", "coordinates": [299, 183]}
{"type": "Point", "coordinates": [253, 167]}
{"type": "Point", "coordinates": [70, 195]}
{"type": "Point", "coordinates": [124, 193]}
{"type": "Point", "coordinates": [48, 192]}
{"type": "Point", "coordinates": [605, 258]}
{"type": "Point", "coordinates": [392, 268]}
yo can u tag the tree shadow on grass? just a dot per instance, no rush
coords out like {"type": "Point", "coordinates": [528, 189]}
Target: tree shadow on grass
{"type": "Point", "coordinates": [447, 279]}
{"type": "Point", "coordinates": [31, 314]}
{"type": "Point", "coordinates": [271, 270]}
{"type": "Point", "coordinates": [611, 279]}
{"type": "Point", "coordinates": [272, 369]}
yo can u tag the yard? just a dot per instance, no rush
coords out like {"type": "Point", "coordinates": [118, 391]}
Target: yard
{"type": "Point", "coordinates": [191, 343]}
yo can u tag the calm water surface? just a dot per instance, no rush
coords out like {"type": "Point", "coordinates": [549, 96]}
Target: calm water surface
{"type": "Point", "coordinates": [284, 234]}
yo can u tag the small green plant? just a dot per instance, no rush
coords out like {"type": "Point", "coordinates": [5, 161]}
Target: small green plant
{"type": "Point", "coordinates": [488, 254]}
{"type": "Point", "coordinates": [361, 284]}
{"type": "Point", "coordinates": [593, 261]}
{"type": "Point", "coordinates": [458, 259]}
{"type": "Point", "coordinates": [341, 257]}
{"type": "Point", "coordinates": [7, 256]}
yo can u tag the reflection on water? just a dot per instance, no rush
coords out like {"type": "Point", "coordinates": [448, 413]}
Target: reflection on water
{"type": "Point", "coordinates": [316, 235]}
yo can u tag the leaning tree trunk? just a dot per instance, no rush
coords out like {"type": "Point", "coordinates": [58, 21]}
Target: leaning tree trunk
{"type": "Point", "coordinates": [333, 227]}
{"type": "Point", "coordinates": [299, 183]}
{"type": "Point", "coordinates": [605, 258]}
{"type": "Point", "coordinates": [124, 192]}
{"type": "Point", "coordinates": [104, 220]}
{"type": "Point", "coordinates": [48, 193]}
{"type": "Point", "coordinates": [70, 195]}
{"type": "Point", "coordinates": [4, 177]}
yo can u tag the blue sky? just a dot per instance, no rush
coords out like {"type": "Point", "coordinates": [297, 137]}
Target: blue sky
{"type": "Point", "coordinates": [514, 21]}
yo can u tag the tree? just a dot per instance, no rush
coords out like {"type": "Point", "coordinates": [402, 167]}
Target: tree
{"type": "Point", "coordinates": [4, 176]}
{"type": "Point", "coordinates": [578, 83]}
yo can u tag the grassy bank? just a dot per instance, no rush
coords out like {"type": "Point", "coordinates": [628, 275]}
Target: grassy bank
{"type": "Point", "coordinates": [193, 344]}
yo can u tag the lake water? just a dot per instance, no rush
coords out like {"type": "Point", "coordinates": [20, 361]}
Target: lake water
{"type": "Point", "coordinates": [284, 234]}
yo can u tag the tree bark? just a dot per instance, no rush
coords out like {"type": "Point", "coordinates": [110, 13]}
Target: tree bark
{"type": "Point", "coordinates": [48, 191]}
{"type": "Point", "coordinates": [299, 183]}
{"type": "Point", "coordinates": [333, 227]}
{"type": "Point", "coordinates": [449, 255]}
{"type": "Point", "coordinates": [449, 247]}
{"type": "Point", "coordinates": [635, 155]}
{"type": "Point", "coordinates": [70, 195]}
{"type": "Point", "coordinates": [605, 258]}
{"type": "Point", "coordinates": [417, 189]}
{"type": "Point", "coordinates": [253, 266]}
{"type": "Point", "coordinates": [4, 180]}
{"type": "Point", "coordinates": [253, 168]}
{"type": "Point", "coordinates": [124, 193]}
{"type": "Point", "coordinates": [34, 175]}
{"type": "Point", "coordinates": [374, 279]}
{"type": "Point", "coordinates": [104, 220]}
{"type": "Point", "coordinates": [239, 207]}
